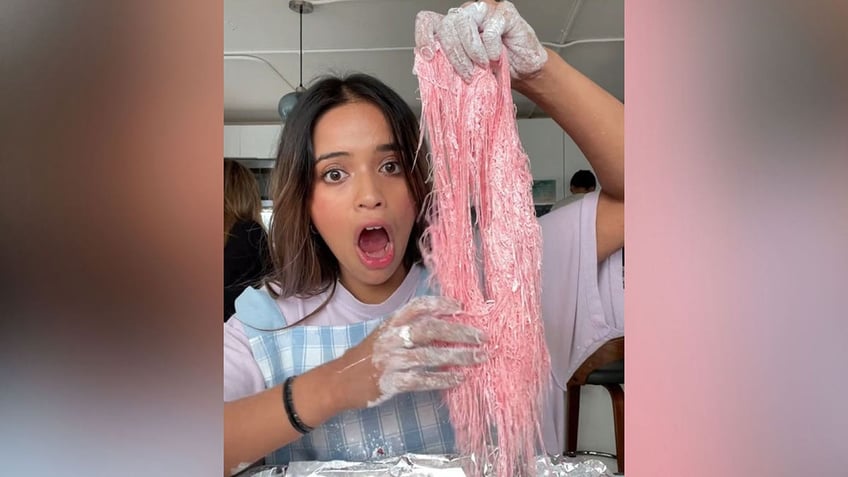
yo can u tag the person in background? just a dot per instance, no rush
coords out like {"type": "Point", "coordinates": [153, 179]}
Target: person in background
{"type": "Point", "coordinates": [582, 182]}
{"type": "Point", "coordinates": [246, 254]}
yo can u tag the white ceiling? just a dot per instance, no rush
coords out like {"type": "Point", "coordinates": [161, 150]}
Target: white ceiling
{"type": "Point", "coordinates": [376, 37]}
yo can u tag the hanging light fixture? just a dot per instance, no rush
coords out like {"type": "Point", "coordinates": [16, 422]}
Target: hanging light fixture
{"type": "Point", "coordinates": [289, 100]}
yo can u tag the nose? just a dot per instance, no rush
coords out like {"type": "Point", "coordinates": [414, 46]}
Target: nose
{"type": "Point", "coordinates": [369, 192]}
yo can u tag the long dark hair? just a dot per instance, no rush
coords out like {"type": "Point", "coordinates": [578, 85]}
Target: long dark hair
{"type": "Point", "coordinates": [304, 266]}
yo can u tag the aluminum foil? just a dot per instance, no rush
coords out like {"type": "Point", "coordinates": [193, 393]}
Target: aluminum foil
{"type": "Point", "coordinates": [417, 465]}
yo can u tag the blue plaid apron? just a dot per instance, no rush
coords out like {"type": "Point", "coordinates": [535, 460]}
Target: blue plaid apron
{"type": "Point", "coordinates": [410, 422]}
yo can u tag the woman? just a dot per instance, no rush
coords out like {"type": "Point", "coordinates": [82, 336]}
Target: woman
{"type": "Point", "coordinates": [246, 255]}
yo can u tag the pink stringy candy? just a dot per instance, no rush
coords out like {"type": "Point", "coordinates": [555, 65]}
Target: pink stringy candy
{"type": "Point", "coordinates": [477, 160]}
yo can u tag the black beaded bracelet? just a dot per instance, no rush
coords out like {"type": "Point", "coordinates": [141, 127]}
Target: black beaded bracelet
{"type": "Point", "coordinates": [294, 419]}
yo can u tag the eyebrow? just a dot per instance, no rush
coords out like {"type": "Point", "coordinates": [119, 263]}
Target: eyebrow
{"type": "Point", "coordinates": [380, 148]}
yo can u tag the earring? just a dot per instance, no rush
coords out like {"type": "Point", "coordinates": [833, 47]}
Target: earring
{"type": "Point", "coordinates": [312, 229]}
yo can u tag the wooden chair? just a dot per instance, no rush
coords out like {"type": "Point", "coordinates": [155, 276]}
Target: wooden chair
{"type": "Point", "coordinates": [605, 367]}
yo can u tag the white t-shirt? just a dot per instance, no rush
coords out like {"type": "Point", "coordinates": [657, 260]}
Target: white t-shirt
{"type": "Point", "coordinates": [567, 200]}
{"type": "Point", "coordinates": [582, 307]}
{"type": "Point", "coordinates": [582, 302]}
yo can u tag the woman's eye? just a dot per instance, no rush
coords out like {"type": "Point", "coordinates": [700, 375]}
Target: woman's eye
{"type": "Point", "coordinates": [391, 168]}
{"type": "Point", "coordinates": [333, 175]}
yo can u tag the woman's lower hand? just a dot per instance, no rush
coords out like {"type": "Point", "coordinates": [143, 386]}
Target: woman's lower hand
{"type": "Point", "coordinates": [401, 356]}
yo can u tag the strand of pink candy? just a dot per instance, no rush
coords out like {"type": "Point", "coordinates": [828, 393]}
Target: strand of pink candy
{"type": "Point", "coordinates": [477, 160]}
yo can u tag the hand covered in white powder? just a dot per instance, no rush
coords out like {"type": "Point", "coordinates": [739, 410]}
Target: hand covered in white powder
{"type": "Point", "coordinates": [477, 32]}
{"type": "Point", "coordinates": [400, 356]}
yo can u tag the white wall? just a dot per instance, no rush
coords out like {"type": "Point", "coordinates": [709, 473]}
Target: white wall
{"type": "Point", "coordinates": [251, 141]}
{"type": "Point", "coordinates": [553, 155]}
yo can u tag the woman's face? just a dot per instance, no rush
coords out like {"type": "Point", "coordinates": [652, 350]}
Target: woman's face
{"type": "Point", "coordinates": [361, 203]}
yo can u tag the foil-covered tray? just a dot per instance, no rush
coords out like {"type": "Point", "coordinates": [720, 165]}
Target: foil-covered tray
{"type": "Point", "coordinates": [417, 465]}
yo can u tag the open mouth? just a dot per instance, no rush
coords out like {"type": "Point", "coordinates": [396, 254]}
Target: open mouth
{"type": "Point", "coordinates": [375, 246]}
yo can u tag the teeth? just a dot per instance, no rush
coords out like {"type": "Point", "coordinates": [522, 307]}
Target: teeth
{"type": "Point", "coordinates": [373, 228]}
